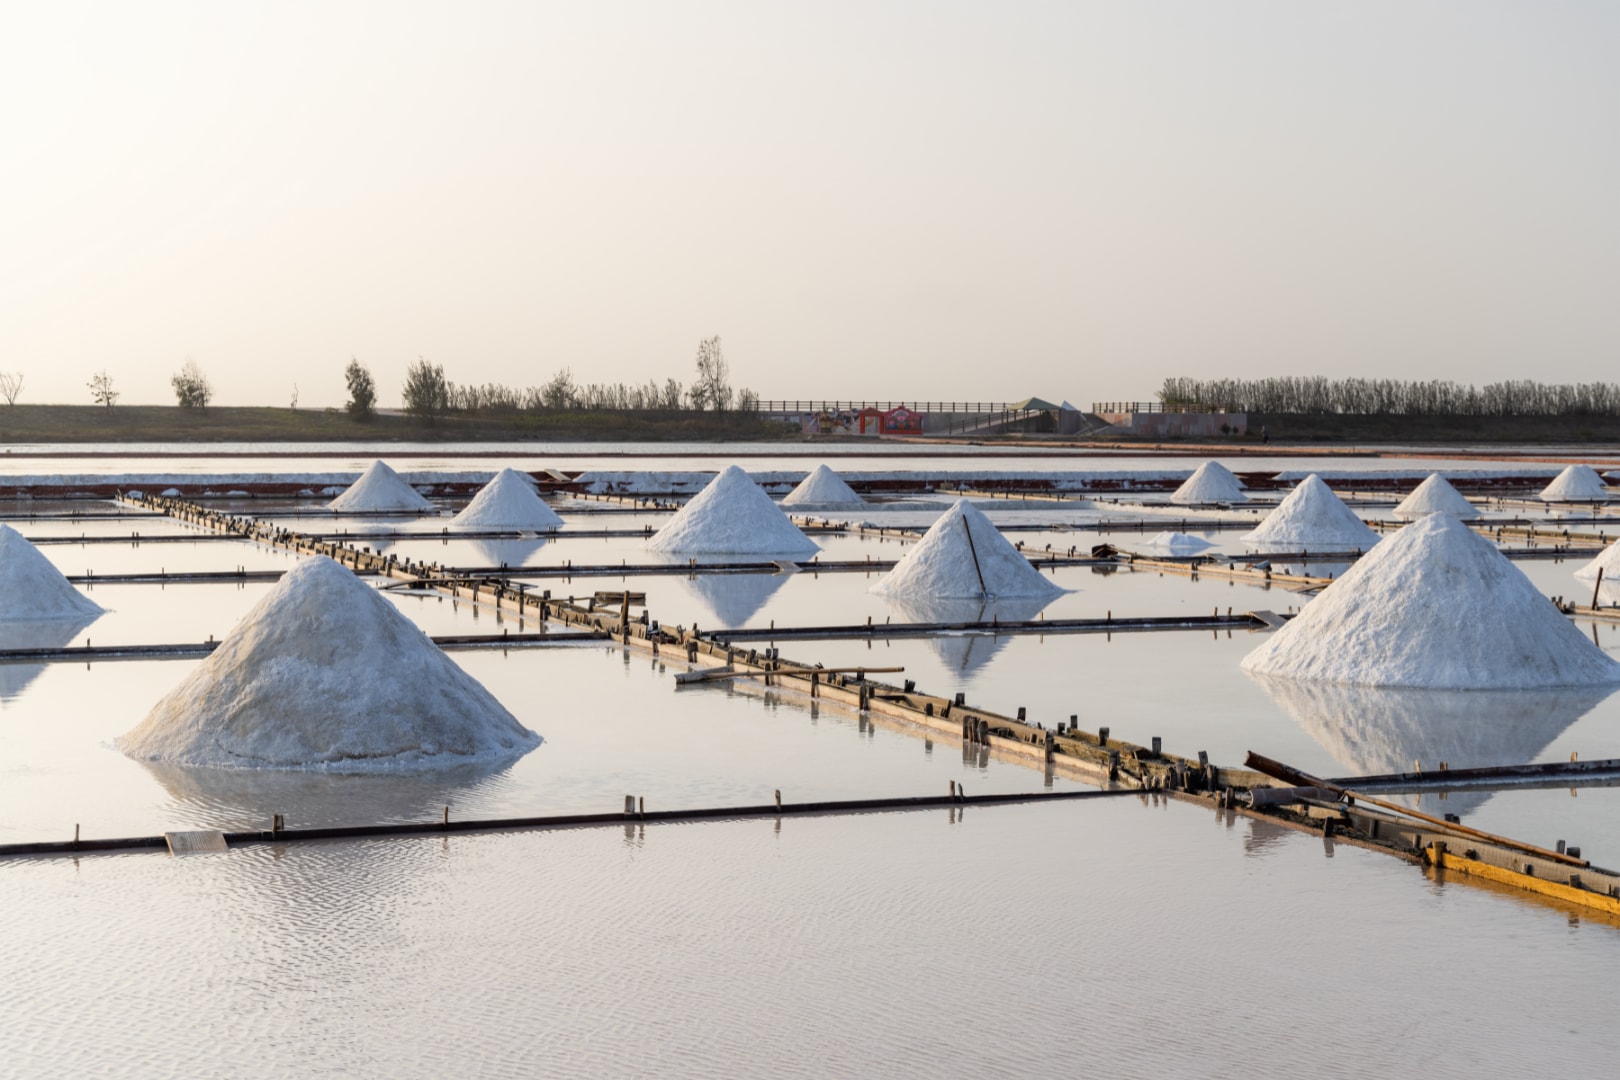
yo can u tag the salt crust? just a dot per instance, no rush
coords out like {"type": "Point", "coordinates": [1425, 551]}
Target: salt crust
{"type": "Point", "coordinates": [731, 516]}
{"type": "Point", "coordinates": [508, 501]}
{"type": "Point", "coordinates": [1434, 606]}
{"type": "Point", "coordinates": [1577, 483]}
{"type": "Point", "coordinates": [824, 490]}
{"type": "Point", "coordinates": [1312, 517]}
{"type": "Point", "coordinates": [379, 488]}
{"type": "Point", "coordinates": [1608, 561]}
{"type": "Point", "coordinates": [324, 673]}
{"type": "Point", "coordinates": [1178, 541]}
{"type": "Point", "coordinates": [1436, 496]}
{"type": "Point", "coordinates": [1211, 483]}
{"type": "Point", "coordinates": [32, 588]}
{"type": "Point", "coordinates": [964, 555]}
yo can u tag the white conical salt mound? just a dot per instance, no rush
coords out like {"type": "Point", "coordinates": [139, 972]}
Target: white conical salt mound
{"type": "Point", "coordinates": [1577, 483]}
{"type": "Point", "coordinates": [32, 588]}
{"type": "Point", "coordinates": [1436, 496]}
{"type": "Point", "coordinates": [1178, 542]}
{"type": "Point", "coordinates": [964, 556]}
{"type": "Point", "coordinates": [1435, 606]}
{"type": "Point", "coordinates": [508, 501]}
{"type": "Point", "coordinates": [378, 489]}
{"type": "Point", "coordinates": [731, 516]}
{"type": "Point", "coordinates": [824, 490]}
{"type": "Point", "coordinates": [324, 673]}
{"type": "Point", "coordinates": [1211, 483]}
{"type": "Point", "coordinates": [1312, 518]}
{"type": "Point", "coordinates": [1608, 562]}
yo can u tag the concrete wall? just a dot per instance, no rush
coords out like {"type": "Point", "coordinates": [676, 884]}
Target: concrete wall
{"type": "Point", "coordinates": [1169, 425]}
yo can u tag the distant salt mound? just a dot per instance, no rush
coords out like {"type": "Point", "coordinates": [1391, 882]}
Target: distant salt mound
{"type": "Point", "coordinates": [731, 516]}
{"type": "Point", "coordinates": [964, 556]}
{"type": "Point", "coordinates": [1435, 496]}
{"type": "Point", "coordinates": [508, 501]}
{"type": "Point", "coordinates": [1211, 483]}
{"type": "Point", "coordinates": [1577, 483]}
{"type": "Point", "coordinates": [379, 489]}
{"type": "Point", "coordinates": [1435, 606]}
{"type": "Point", "coordinates": [1312, 518]}
{"type": "Point", "coordinates": [1608, 562]}
{"type": "Point", "coordinates": [824, 490]}
{"type": "Point", "coordinates": [1178, 543]}
{"type": "Point", "coordinates": [323, 673]}
{"type": "Point", "coordinates": [32, 588]}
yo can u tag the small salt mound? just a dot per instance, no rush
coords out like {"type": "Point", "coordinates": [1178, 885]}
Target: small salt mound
{"type": "Point", "coordinates": [825, 490]}
{"type": "Point", "coordinates": [508, 502]}
{"type": "Point", "coordinates": [1178, 542]}
{"type": "Point", "coordinates": [1435, 496]}
{"type": "Point", "coordinates": [1434, 606]}
{"type": "Point", "coordinates": [378, 489]}
{"type": "Point", "coordinates": [1608, 562]}
{"type": "Point", "coordinates": [32, 588]}
{"type": "Point", "coordinates": [731, 516]}
{"type": "Point", "coordinates": [1312, 517]}
{"type": "Point", "coordinates": [1211, 483]}
{"type": "Point", "coordinates": [1578, 483]}
{"type": "Point", "coordinates": [324, 673]}
{"type": "Point", "coordinates": [964, 555]}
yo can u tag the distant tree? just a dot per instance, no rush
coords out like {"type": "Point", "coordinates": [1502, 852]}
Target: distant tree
{"type": "Point", "coordinates": [295, 396]}
{"type": "Point", "coordinates": [362, 403]}
{"type": "Point", "coordinates": [712, 390]}
{"type": "Point", "coordinates": [747, 400]}
{"type": "Point", "coordinates": [427, 395]}
{"type": "Point", "coordinates": [10, 386]}
{"type": "Point", "coordinates": [560, 392]}
{"type": "Point", "coordinates": [672, 395]}
{"type": "Point", "coordinates": [101, 389]}
{"type": "Point", "coordinates": [191, 388]}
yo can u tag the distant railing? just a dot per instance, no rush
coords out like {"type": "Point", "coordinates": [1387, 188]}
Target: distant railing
{"type": "Point", "coordinates": [818, 405]}
{"type": "Point", "coordinates": [1152, 407]}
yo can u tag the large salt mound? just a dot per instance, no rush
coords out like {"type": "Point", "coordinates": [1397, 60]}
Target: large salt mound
{"type": "Point", "coordinates": [324, 673]}
{"type": "Point", "coordinates": [1435, 496]}
{"type": "Point", "coordinates": [379, 489]}
{"type": "Point", "coordinates": [32, 588]}
{"type": "Point", "coordinates": [1312, 517]}
{"type": "Point", "coordinates": [824, 490]}
{"type": "Point", "coordinates": [1608, 562]}
{"type": "Point", "coordinates": [1577, 483]}
{"type": "Point", "coordinates": [731, 516]}
{"type": "Point", "coordinates": [508, 502]}
{"type": "Point", "coordinates": [965, 556]}
{"type": "Point", "coordinates": [1211, 483]}
{"type": "Point", "coordinates": [1434, 606]}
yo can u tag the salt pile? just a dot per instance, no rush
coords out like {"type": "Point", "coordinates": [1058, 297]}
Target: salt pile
{"type": "Point", "coordinates": [1608, 562]}
{"type": "Point", "coordinates": [379, 489]}
{"type": "Point", "coordinates": [324, 673]}
{"type": "Point", "coordinates": [965, 556]}
{"type": "Point", "coordinates": [1577, 483]}
{"type": "Point", "coordinates": [1435, 496]}
{"type": "Point", "coordinates": [824, 490]}
{"type": "Point", "coordinates": [32, 588]}
{"type": "Point", "coordinates": [731, 516]}
{"type": "Point", "coordinates": [1178, 543]}
{"type": "Point", "coordinates": [1434, 606]}
{"type": "Point", "coordinates": [508, 501]}
{"type": "Point", "coordinates": [1312, 517]}
{"type": "Point", "coordinates": [1211, 483]}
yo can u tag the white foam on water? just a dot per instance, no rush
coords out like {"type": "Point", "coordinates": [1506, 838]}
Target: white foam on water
{"type": "Point", "coordinates": [964, 555]}
{"type": "Point", "coordinates": [508, 501]}
{"type": "Point", "coordinates": [1312, 518]}
{"type": "Point", "coordinates": [731, 516]}
{"type": "Point", "coordinates": [379, 488]}
{"type": "Point", "coordinates": [1436, 496]}
{"type": "Point", "coordinates": [1212, 482]}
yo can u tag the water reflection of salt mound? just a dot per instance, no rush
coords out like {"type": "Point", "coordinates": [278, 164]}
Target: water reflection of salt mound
{"type": "Point", "coordinates": [32, 588]}
{"type": "Point", "coordinates": [1312, 518]}
{"type": "Point", "coordinates": [732, 516]}
{"type": "Point", "coordinates": [324, 673]}
{"type": "Point", "coordinates": [965, 556]}
{"type": "Point", "coordinates": [33, 634]}
{"type": "Point", "coordinates": [966, 653]}
{"type": "Point", "coordinates": [1372, 731]}
{"type": "Point", "coordinates": [508, 501]}
{"type": "Point", "coordinates": [379, 489]}
{"type": "Point", "coordinates": [513, 552]}
{"type": "Point", "coordinates": [1435, 496]}
{"type": "Point", "coordinates": [729, 601]}
{"type": "Point", "coordinates": [1212, 482]}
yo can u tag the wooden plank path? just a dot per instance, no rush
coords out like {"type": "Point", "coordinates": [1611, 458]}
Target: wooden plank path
{"type": "Point", "coordinates": [1241, 621]}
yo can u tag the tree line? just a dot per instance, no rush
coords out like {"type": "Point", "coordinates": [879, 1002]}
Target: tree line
{"type": "Point", "coordinates": [1318, 394]}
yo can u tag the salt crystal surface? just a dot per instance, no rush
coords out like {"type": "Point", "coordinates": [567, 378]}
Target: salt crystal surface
{"type": "Point", "coordinates": [1177, 542]}
{"type": "Point", "coordinates": [964, 556]}
{"type": "Point", "coordinates": [1312, 517]}
{"type": "Point", "coordinates": [32, 588]}
{"type": "Point", "coordinates": [324, 673]}
{"type": "Point", "coordinates": [508, 501]}
{"type": "Point", "coordinates": [378, 489]}
{"type": "Point", "coordinates": [1211, 483]}
{"type": "Point", "coordinates": [1437, 606]}
{"type": "Point", "coordinates": [1577, 483]}
{"type": "Point", "coordinates": [1436, 496]}
{"type": "Point", "coordinates": [731, 516]}
{"type": "Point", "coordinates": [1608, 561]}
{"type": "Point", "coordinates": [824, 489]}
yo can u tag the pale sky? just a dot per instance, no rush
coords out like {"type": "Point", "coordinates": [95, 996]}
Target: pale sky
{"type": "Point", "coordinates": [883, 200]}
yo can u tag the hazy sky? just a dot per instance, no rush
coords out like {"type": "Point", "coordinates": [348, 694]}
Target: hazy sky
{"type": "Point", "coordinates": [887, 200]}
